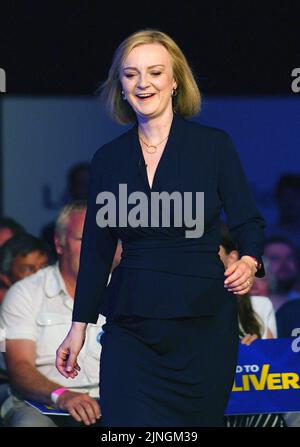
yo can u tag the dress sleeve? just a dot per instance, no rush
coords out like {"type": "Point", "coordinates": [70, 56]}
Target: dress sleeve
{"type": "Point", "coordinates": [245, 223]}
{"type": "Point", "coordinates": [96, 256]}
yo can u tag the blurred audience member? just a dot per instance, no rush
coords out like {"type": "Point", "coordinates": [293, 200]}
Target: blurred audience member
{"type": "Point", "coordinates": [288, 201]}
{"type": "Point", "coordinates": [21, 256]}
{"type": "Point", "coordinates": [78, 182]}
{"type": "Point", "coordinates": [78, 178]}
{"type": "Point", "coordinates": [36, 314]}
{"type": "Point", "coordinates": [9, 228]}
{"type": "Point", "coordinates": [288, 319]}
{"type": "Point", "coordinates": [283, 266]}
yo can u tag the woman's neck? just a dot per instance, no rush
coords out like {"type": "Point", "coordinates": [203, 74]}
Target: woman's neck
{"type": "Point", "coordinates": [157, 128]}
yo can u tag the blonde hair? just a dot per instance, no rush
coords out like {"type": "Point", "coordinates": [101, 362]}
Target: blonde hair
{"type": "Point", "coordinates": [187, 101]}
{"type": "Point", "coordinates": [64, 217]}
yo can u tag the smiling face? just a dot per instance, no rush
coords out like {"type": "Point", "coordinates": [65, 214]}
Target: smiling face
{"type": "Point", "coordinates": [147, 80]}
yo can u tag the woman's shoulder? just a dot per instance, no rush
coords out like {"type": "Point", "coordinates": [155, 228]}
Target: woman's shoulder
{"type": "Point", "coordinates": [115, 147]}
{"type": "Point", "coordinates": [204, 130]}
{"type": "Point", "coordinates": [212, 140]}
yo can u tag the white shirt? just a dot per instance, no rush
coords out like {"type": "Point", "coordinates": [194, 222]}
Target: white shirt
{"type": "Point", "coordinates": [263, 307]}
{"type": "Point", "coordinates": [39, 308]}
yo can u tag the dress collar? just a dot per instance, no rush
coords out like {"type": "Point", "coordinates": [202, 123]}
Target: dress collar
{"type": "Point", "coordinates": [171, 153]}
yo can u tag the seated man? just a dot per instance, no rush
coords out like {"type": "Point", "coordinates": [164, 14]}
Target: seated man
{"type": "Point", "coordinates": [21, 255]}
{"type": "Point", "coordinates": [36, 314]}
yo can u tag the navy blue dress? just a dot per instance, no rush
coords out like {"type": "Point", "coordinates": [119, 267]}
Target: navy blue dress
{"type": "Point", "coordinates": [169, 345]}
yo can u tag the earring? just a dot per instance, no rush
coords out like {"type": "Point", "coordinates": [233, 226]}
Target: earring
{"type": "Point", "coordinates": [123, 95]}
{"type": "Point", "coordinates": [174, 92]}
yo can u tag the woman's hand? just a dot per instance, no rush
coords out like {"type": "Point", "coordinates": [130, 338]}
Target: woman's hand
{"type": "Point", "coordinates": [66, 355]}
{"type": "Point", "coordinates": [248, 339]}
{"type": "Point", "coordinates": [240, 275]}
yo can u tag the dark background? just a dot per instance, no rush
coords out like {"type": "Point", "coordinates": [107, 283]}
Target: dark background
{"type": "Point", "coordinates": [234, 47]}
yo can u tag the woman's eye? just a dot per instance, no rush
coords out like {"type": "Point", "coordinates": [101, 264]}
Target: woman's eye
{"type": "Point", "coordinates": [129, 75]}
{"type": "Point", "coordinates": [157, 73]}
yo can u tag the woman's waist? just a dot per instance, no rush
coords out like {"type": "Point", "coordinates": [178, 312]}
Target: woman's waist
{"type": "Point", "coordinates": [180, 262]}
{"type": "Point", "coordinates": [159, 294]}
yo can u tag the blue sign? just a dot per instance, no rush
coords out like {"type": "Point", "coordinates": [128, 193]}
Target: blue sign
{"type": "Point", "coordinates": [267, 378]}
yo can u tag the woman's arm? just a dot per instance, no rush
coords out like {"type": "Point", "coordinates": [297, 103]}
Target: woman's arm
{"type": "Point", "coordinates": [246, 225]}
{"type": "Point", "coordinates": [67, 353]}
{"type": "Point", "coordinates": [96, 256]}
{"type": "Point", "coordinates": [97, 252]}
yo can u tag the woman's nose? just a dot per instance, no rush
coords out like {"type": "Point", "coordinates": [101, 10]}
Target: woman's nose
{"type": "Point", "coordinates": [143, 81]}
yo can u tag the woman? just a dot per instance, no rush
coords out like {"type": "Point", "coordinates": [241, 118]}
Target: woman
{"type": "Point", "coordinates": [167, 353]}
